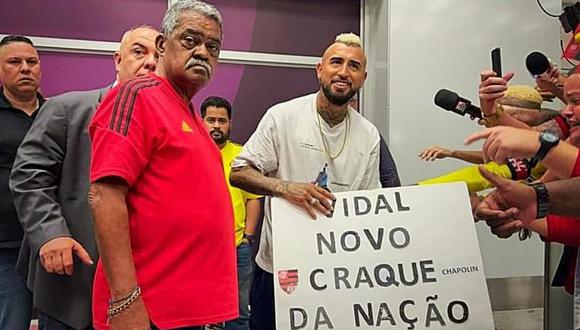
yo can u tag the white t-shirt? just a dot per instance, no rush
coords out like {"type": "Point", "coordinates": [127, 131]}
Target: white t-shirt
{"type": "Point", "coordinates": [287, 145]}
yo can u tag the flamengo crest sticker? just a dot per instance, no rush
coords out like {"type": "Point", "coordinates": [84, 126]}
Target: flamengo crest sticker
{"type": "Point", "coordinates": [288, 280]}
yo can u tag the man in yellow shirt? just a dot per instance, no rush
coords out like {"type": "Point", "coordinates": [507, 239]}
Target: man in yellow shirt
{"type": "Point", "coordinates": [217, 116]}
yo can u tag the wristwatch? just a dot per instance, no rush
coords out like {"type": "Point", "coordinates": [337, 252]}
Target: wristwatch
{"type": "Point", "coordinates": [548, 140]}
{"type": "Point", "coordinates": [542, 199]}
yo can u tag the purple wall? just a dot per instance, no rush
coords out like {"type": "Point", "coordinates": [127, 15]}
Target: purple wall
{"type": "Point", "coordinates": [300, 27]}
{"type": "Point", "coordinates": [224, 83]}
{"type": "Point", "coordinates": [63, 72]}
{"type": "Point", "coordinates": [239, 17]}
{"type": "Point", "coordinates": [280, 26]}
{"type": "Point", "coordinates": [260, 88]}
{"type": "Point", "coordinates": [271, 26]}
{"type": "Point", "coordinates": [103, 20]}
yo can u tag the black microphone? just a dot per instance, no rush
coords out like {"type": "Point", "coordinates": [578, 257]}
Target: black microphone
{"type": "Point", "coordinates": [538, 64]}
{"type": "Point", "coordinates": [450, 101]}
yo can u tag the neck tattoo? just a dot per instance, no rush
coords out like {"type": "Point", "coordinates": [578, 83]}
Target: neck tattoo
{"type": "Point", "coordinates": [332, 117]}
{"type": "Point", "coordinates": [325, 143]}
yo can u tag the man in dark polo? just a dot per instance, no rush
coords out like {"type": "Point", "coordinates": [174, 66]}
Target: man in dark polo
{"type": "Point", "coordinates": [19, 100]}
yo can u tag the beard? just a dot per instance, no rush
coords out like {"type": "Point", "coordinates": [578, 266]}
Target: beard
{"type": "Point", "coordinates": [338, 99]}
{"type": "Point", "coordinates": [218, 136]}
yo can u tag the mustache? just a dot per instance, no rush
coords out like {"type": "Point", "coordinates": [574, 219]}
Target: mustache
{"type": "Point", "coordinates": [196, 61]}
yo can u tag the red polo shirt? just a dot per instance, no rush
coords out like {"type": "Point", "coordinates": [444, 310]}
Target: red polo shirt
{"type": "Point", "coordinates": [180, 214]}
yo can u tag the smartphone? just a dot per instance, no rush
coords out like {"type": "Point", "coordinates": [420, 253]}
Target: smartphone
{"type": "Point", "coordinates": [496, 61]}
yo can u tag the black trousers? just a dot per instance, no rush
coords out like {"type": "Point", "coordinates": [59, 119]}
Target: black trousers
{"type": "Point", "coordinates": [262, 315]}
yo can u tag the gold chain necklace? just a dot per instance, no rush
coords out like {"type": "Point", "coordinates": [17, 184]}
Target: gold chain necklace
{"type": "Point", "coordinates": [325, 144]}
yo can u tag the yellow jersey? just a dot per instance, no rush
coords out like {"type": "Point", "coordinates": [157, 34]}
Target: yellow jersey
{"type": "Point", "coordinates": [239, 197]}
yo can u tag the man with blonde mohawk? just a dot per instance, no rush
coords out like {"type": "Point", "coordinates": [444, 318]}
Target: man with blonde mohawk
{"type": "Point", "coordinates": [335, 149]}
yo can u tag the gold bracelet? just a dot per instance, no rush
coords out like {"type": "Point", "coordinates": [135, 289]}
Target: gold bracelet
{"type": "Point", "coordinates": [127, 296]}
{"type": "Point", "coordinates": [491, 120]}
{"type": "Point", "coordinates": [126, 302]}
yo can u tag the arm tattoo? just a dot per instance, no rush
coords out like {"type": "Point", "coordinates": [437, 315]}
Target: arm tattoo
{"type": "Point", "coordinates": [551, 125]}
{"type": "Point", "coordinates": [548, 114]}
{"type": "Point", "coordinates": [564, 197]}
{"type": "Point", "coordinates": [251, 180]}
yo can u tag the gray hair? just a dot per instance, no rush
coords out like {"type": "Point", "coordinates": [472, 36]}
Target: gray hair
{"type": "Point", "coordinates": [177, 7]}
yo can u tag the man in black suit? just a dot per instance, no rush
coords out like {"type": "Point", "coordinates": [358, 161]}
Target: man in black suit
{"type": "Point", "coordinates": [50, 183]}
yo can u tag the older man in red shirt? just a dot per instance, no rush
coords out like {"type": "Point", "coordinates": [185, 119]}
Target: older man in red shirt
{"type": "Point", "coordinates": [162, 211]}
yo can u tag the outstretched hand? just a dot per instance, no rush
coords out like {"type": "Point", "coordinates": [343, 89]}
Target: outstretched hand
{"type": "Point", "coordinates": [510, 200]}
{"type": "Point", "coordinates": [503, 142]}
{"type": "Point", "coordinates": [434, 152]}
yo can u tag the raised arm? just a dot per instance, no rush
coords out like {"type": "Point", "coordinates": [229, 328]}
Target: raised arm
{"type": "Point", "coordinates": [435, 152]}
